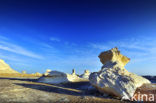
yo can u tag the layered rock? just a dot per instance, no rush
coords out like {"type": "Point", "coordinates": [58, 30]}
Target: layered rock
{"type": "Point", "coordinates": [57, 77]}
{"type": "Point", "coordinates": [113, 78]}
{"type": "Point", "coordinates": [85, 75]}
{"type": "Point", "coordinates": [5, 68]}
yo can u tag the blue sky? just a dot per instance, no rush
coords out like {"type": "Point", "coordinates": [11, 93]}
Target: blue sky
{"type": "Point", "coordinates": [36, 35]}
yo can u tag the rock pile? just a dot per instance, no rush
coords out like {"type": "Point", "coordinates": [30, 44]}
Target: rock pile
{"type": "Point", "coordinates": [5, 68]}
{"type": "Point", "coordinates": [113, 78]}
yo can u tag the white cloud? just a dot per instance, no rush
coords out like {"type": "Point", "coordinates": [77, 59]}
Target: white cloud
{"type": "Point", "coordinates": [99, 46]}
{"type": "Point", "coordinates": [18, 49]}
{"type": "Point", "coordinates": [9, 57]}
{"type": "Point", "coordinates": [136, 48]}
{"type": "Point", "coordinates": [46, 45]}
{"type": "Point", "coordinates": [55, 39]}
{"type": "Point", "coordinates": [3, 38]}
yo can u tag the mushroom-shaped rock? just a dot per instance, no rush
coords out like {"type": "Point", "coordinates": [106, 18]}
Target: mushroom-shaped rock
{"type": "Point", "coordinates": [113, 55]}
{"type": "Point", "coordinates": [113, 78]}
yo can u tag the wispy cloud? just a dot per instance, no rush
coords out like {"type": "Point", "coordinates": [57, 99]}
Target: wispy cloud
{"type": "Point", "coordinates": [3, 38]}
{"type": "Point", "coordinates": [7, 46]}
{"type": "Point", "coordinates": [9, 57]}
{"type": "Point", "coordinates": [55, 39]}
{"type": "Point", "coordinates": [136, 48]}
{"type": "Point", "coordinates": [99, 46]}
{"type": "Point", "coordinates": [45, 45]}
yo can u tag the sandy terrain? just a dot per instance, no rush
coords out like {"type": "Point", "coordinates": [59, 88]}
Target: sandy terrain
{"type": "Point", "coordinates": [15, 90]}
{"type": "Point", "coordinates": [19, 75]}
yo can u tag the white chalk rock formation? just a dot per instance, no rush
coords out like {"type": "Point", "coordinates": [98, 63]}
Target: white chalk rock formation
{"type": "Point", "coordinates": [24, 72]}
{"type": "Point", "coordinates": [113, 78]}
{"type": "Point", "coordinates": [56, 77]}
{"type": "Point", "coordinates": [85, 75]}
{"type": "Point", "coordinates": [5, 68]}
{"type": "Point", "coordinates": [38, 74]}
{"type": "Point", "coordinates": [73, 72]}
{"type": "Point", "coordinates": [47, 72]}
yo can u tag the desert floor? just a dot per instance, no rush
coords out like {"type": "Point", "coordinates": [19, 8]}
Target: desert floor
{"type": "Point", "coordinates": [20, 90]}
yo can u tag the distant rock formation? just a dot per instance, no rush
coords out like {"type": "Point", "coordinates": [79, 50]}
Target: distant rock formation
{"type": "Point", "coordinates": [47, 72]}
{"type": "Point", "coordinates": [24, 72]}
{"type": "Point", "coordinates": [113, 78]}
{"type": "Point", "coordinates": [38, 74]}
{"type": "Point", "coordinates": [85, 75]}
{"type": "Point", "coordinates": [57, 77]}
{"type": "Point", "coordinates": [73, 72]}
{"type": "Point", "coordinates": [5, 68]}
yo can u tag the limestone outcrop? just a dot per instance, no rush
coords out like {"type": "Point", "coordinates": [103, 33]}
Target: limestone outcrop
{"type": "Point", "coordinates": [73, 72]}
{"type": "Point", "coordinates": [113, 78]}
{"type": "Point", "coordinates": [57, 77]}
{"type": "Point", "coordinates": [113, 55]}
{"type": "Point", "coordinates": [38, 74]}
{"type": "Point", "coordinates": [24, 72]}
{"type": "Point", "coordinates": [85, 75]}
{"type": "Point", "coordinates": [47, 72]}
{"type": "Point", "coordinates": [5, 68]}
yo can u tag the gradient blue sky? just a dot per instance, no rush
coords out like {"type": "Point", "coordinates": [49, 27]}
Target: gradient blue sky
{"type": "Point", "coordinates": [36, 35]}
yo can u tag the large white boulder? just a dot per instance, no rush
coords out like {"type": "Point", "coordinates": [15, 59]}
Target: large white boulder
{"type": "Point", "coordinates": [113, 78]}
{"type": "Point", "coordinates": [57, 77]}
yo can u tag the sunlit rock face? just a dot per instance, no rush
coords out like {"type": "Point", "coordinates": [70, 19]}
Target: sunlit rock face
{"type": "Point", "coordinates": [47, 72]}
{"type": "Point", "coordinates": [85, 75]}
{"type": "Point", "coordinates": [38, 74]}
{"type": "Point", "coordinates": [5, 68]}
{"type": "Point", "coordinates": [73, 72]}
{"type": "Point", "coordinates": [56, 77]}
{"type": "Point", "coordinates": [113, 55]}
{"type": "Point", "coordinates": [113, 78]}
